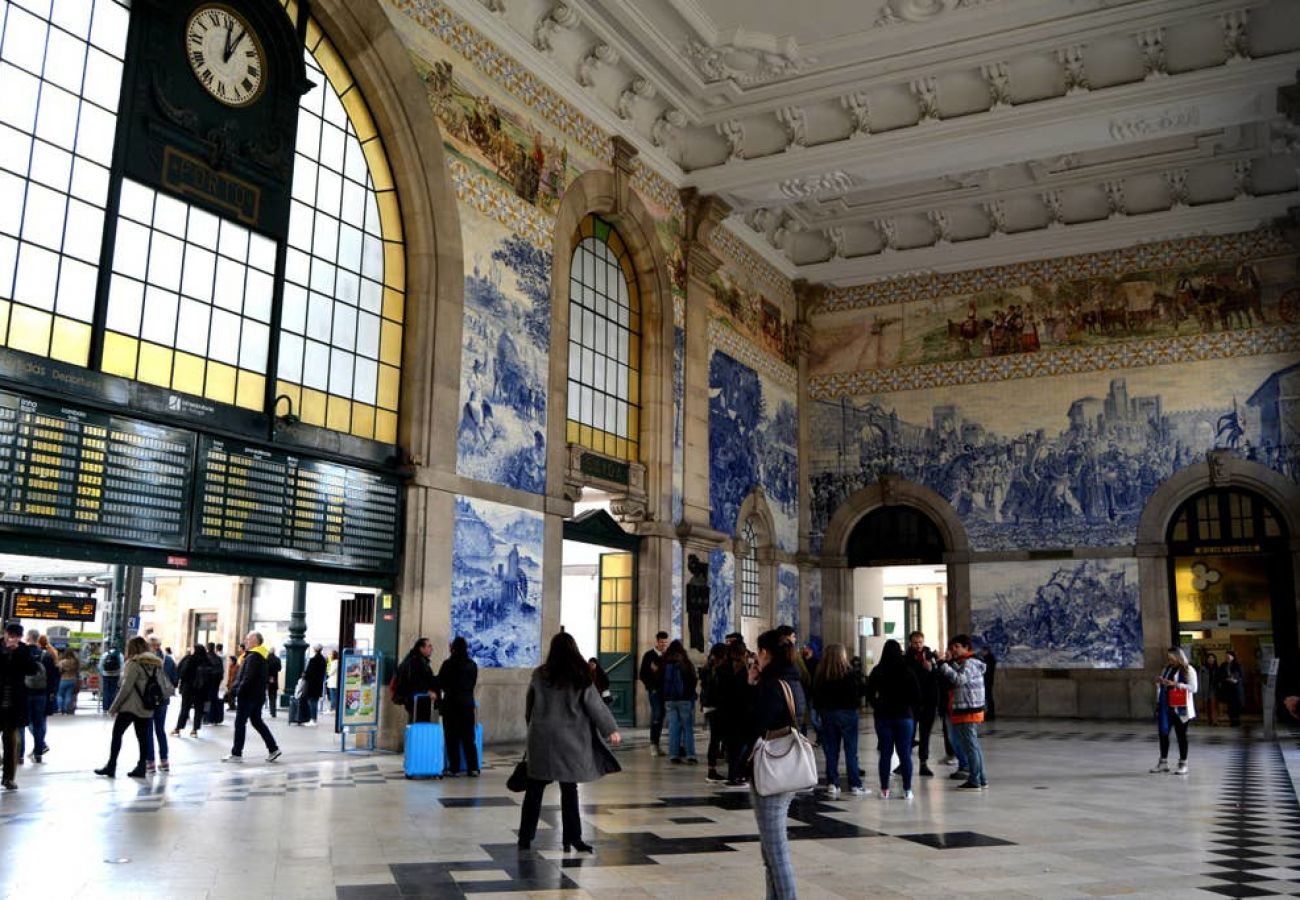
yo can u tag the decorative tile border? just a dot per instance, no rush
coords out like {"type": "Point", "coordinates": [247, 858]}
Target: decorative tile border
{"type": "Point", "coordinates": [1069, 361]}
{"type": "Point", "coordinates": [725, 241]}
{"type": "Point", "coordinates": [1159, 255]}
{"type": "Point", "coordinates": [666, 195]}
{"type": "Point", "coordinates": [481, 193]}
{"type": "Point", "coordinates": [723, 337]}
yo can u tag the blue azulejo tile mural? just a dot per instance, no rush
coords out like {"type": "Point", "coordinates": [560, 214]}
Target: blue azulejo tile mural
{"type": "Point", "coordinates": [1060, 462]}
{"type": "Point", "coordinates": [1072, 614]}
{"type": "Point", "coordinates": [722, 586]}
{"type": "Point", "coordinates": [787, 597]}
{"type": "Point", "coordinates": [496, 582]}
{"type": "Point", "coordinates": [753, 440]}
{"type": "Point", "coordinates": [501, 436]}
{"type": "Point", "coordinates": [814, 578]}
{"type": "Point", "coordinates": [679, 421]}
{"type": "Point", "coordinates": [676, 628]}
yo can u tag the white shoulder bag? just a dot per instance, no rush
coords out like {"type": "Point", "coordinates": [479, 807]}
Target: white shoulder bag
{"type": "Point", "coordinates": [783, 759]}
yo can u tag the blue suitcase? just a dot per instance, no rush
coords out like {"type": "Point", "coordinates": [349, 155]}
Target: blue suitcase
{"type": "Point", "coordinates": [425, 747]}
{"type": "Point", "coordinates": [455, 763]}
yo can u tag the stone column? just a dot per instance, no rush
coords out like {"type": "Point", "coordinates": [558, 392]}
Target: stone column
{"type": "Point", "coordinates": [295, 648]}
{"type": "Point", "coordinates": [806, 296]}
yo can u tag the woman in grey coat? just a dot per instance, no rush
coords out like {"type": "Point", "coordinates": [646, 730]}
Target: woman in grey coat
{"type": "Point", "coordinates": [568, 725]}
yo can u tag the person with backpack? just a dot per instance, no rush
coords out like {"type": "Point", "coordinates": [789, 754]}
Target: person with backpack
{"type": "Point", "coordinates": [144, 688]}
{"type": "Point", "coordinates": [194, 676]}
{"type": "Point", "coordinates": [415, 676]}
{"type": "Point", "coordinates": [678, 686]}
{"type": "Point", "coordinates": [272, 681]}
{"type": "Point", "coordinates": [38, 686]}
{"type": "Point", "coordinates": [110, 676]}
{"type": "Point", "coordinates": [158, 734]}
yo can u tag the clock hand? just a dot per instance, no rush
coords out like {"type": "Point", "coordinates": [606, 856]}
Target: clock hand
{"type": "Point", "coordinates": [226, 49]}
{"type": "Point", "coordinates": [231, 46]}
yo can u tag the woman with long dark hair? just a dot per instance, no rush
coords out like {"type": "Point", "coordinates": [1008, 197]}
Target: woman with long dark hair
{"type": "Point", "coordinates": [457, 678]}
{"type": "Point", "coordinates": [895, 697]}
{"type": "Point", "coordinates": [568, 725]}
{"type": "Point", "coordinates": [194, 673]}
{"type": "Point", "coordinates": [129, 706]}
{"type": "Point", "coordinates": [715, 670]}
{"type": "Point", "coordinates": [679, 682]}
{"type": "Point", "coordinates": [836, 697]}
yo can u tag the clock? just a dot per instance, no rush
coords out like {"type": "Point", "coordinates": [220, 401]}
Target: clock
{"type": "Point", "coordinates": [225, 54]}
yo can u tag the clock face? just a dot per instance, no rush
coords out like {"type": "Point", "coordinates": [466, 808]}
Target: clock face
{"type": "Point", "coordinates": [225, 54]}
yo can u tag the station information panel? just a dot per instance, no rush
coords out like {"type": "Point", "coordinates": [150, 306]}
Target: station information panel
{"type": "Point", "coordinates": [71, 472]}
{"type": "Point", "coordinates": [60, 607]}
{"type": "Point", "coordinates": [67, 472]}
{"type": "Point", "coordinates": [257, 501]}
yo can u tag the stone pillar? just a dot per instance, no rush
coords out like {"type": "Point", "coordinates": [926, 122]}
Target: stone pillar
{"type": "Point", "coordinates": [806, 297]}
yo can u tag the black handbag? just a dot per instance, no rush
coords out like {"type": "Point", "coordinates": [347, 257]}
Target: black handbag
{"type": "Point", "coordinates": [518, 780]}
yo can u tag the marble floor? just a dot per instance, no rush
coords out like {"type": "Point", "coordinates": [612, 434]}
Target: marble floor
{"type": "Point", "coordinates": [1071, 812]}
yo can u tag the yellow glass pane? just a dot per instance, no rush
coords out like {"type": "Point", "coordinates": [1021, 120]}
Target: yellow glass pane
{"type": "Point", "coordinates": [625, 591]}
{"type": "Point", "coordinates": [608, 641]}
{"type": "Point", "coordinates": [363, 420]}
{"type": "Point", "coordinates": [634, 355]}
{"type": "Point", "coordinates": [386, 426]}
{"type": "Point", "coordinates": [293, 392]}
{"type": "Point", "coordinates": [251, 393]}
{"type": "Point", "coordinates": [71, 342]}
{"type": "Point", "coordinates": [29, 330]}
{"type": "Point", "coordinates": [584, 229]}
{"type": "Point", "coordinates": [608, 591]}
{"type": "Point", "coordinates": [394, 305]}
{"type": "Point", "coordinates": [155, 365]}
{"type": "Point", "coordinates": [571, 432]}
{"type": "Point", "coordinates": [633, 450]}
{"type": "Point", "coordinates": [291, 8]}
{"type": "Point", "coordinates": [624, 641]}
{"type": "Point", "coordinates": [314, 35]}
{"type": "Point", "coordinates": [337, 73]}
{"type": "Point", "coordinates": [338, 413]}
{"type": "Point", "coordinates": [220, 383]}
{"type": "Point", "coordinates": [616, 244]}
{"type": "Point", "coordinates": [377, 163]}
{"type": "Point", "coordinates": [119, 354]}
{"type": "Point", "coordinates": [313, 407]}
{"type": "Point", "coordinates": [633, 421]}
{"type": "Point", "coordinates": [633, 386]}
{"type": "Point", "coordinates": [390, 343]}
{"type": "Point", "coordinates": [623, 617]}
{"type": "Point", "coordinates": [359, 114]}
{"type": "Point", "coordinates": [584, 435]}
{"type": "Point", "coordinates": [394, 262]}
{"type": "Point", "coordinates": [616, 565]}
{"type": "Point", "coordinates": [389, 381]}
{"type": "Point", "coordinates": [390, 216]}
{"type": "Point", "coordinates": [620, 448]}
{"type": "Point", "coordinates": [187, 373]}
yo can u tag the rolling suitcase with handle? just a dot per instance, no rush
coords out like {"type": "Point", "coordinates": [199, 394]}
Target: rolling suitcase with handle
{"type": "Point", "coordinates": [425, 753]}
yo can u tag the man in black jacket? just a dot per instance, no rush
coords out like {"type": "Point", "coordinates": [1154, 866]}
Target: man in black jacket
{"type": "Point", "coordinates": [16, 664]}
{"type": "Point", "coordinates": [652, 676]}
{"type": "Point", "coordinates": [921, 662]}
{"type": "Point", "coordinates": [249, 689]}
{"type": "Point", "coordinates": [313, 676]}
{"type": "Point", "coordinates": [272, 681]}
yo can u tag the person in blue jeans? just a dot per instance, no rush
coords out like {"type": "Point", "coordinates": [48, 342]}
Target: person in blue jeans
{"type": "Point", "coordinates": [836, 696]}
{"type": "Point", "coordinates": [895, 695]}
{"type": "Point", "coordinates": [966, 707]}
{"type": "Point", "coordinates": [158, 731]}
{"type": "Point", "coordinates": [679, 681]}
{"type": "Point", "coordinates": [37, 689]}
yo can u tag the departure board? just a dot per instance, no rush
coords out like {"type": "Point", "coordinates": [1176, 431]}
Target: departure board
{"type": "Point", "coordinates": [267, 503]}
{"type": "Point", "coordinates": [56, 607]}
{"type": "Point", "coordinates": [71, 472]}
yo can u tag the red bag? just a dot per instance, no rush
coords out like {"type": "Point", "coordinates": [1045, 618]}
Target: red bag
{"type": "Point", "coordinates": [1178, 696]}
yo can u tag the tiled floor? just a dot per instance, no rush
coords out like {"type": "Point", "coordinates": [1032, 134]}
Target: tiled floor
{"type": "Point", "coordinates": [1072, 812]}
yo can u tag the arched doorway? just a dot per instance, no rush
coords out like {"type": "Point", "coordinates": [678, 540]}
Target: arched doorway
{"type": "Point", "coordinates": [1231, 581]}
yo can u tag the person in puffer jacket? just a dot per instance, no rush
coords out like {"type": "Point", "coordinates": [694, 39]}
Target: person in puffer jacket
{"type": "Point", "coordinates": [966, 706]}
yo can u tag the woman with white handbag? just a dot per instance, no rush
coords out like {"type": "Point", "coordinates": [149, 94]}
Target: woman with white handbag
{"type": "Point", "coordinates": [782, 762]}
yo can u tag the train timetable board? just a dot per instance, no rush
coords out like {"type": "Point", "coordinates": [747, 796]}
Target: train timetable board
{"type": "Point", "coordinates": [55, 607]}
{"type": "Point", "coordinates": [70, 472]}
{"type": "Point", "coordinates": [272, 504]}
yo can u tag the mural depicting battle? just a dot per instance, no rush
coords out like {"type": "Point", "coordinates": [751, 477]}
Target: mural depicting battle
{"type": "Point", "coordinates": [1018, 484]}
{"type": "Point", "coordinates": [496, 582]}
{"type": "Point", "coordinates": [1070, 615]}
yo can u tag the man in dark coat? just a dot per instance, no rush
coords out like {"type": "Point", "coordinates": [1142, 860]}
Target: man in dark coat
{"type": "Point", "coordinates": [272, 681]}
{"type": "Point", "coordinates": [313, 677]}
{"type": "Point", "coordinates": [415, 676]}
{"type": "Point", "coordinates": [16, 664]}
{"type": "Point", "coordinates": [921, 662]}
{"type": "Point", "coordinates": [652, 676]}
{"type": "Point", "coordinates": [249, 690]}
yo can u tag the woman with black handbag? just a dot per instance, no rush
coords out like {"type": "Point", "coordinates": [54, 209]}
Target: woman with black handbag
{"type": "Point", "coordinates": [568, 725]}
{"type": "Point", "coordinates": [776, 705]}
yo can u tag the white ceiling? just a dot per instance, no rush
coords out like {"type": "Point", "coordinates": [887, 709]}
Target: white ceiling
{"type": "Point", "coordinates": [861, 139]}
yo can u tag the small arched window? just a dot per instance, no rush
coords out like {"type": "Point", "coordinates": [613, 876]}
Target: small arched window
{"type": "Point", "coordinates": [604, 344]}
{"type": "Point", "coordinates": [750, 599]}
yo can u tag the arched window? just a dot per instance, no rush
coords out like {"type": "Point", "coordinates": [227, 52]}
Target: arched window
{"type": "Point", "coordinates": [604, 344]}
{"type": "Point", "coordinates": [188, 300]}
{"type": "Point", "coordinates": [750, 595]}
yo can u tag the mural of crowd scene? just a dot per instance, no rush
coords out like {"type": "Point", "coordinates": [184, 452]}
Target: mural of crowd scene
{"type": "Point", "coordinates": [722, 586]}
{"type": "Point", "coordinates": [486, 128]}
{"type": "Point", "coordinates": [857, 340]}
{"type": "Point", "coordinates": [501, 434]}
{"type": "Point", "coordinates": [1058, 615]}
{"type": "Point", "coordinates": [753, 440]}
{"type": "Point", "coordinates": [814, 637]}
{"type": "Point", "coordinates": [1085, 312]}
{"type": "Point", "coordinates": [755, 317]}
{"type": "Point", "coordinates": [679, 422]}
{"type": "Point", "coordinates": [496, 582]}
{"type": "Point", "coordinates": [1057, 462]}
{"type": "Point", "coordinates": [675, 629]}
{"type": "Point", "coordinates": [787, 597]}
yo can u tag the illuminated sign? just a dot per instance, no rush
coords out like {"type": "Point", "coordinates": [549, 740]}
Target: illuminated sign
{"type": "Point", "coordinates": [77, 607]}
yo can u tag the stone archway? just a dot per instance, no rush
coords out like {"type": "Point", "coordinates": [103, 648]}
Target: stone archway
{"type": "Point", "coordinates": [837, 577]}
{"type": "Point", "coordinates": [1220, 469]}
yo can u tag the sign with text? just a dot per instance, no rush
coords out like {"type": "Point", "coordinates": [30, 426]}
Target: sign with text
{"type": "Point", "coordinates": [359, 692]}
{"type": "Point", "coordinates": [54, 607]}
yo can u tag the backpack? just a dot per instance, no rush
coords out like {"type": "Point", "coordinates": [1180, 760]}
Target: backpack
{"type": "Point", "coordinates": [111, 663]}
{"type": "Point", "coordinates": [674, 686]}
{"type": "Point", "coordinates": [37, 680]}
{"type": "Point", "coordinates": [152, 695]}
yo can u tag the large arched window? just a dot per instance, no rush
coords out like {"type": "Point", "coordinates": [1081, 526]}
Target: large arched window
{"type": "Point", "coordinates": [604, 344]}
{"type": "Point", "coordinates": [187, 300]}
{"type": "Point", "coordinates": [750, 594]}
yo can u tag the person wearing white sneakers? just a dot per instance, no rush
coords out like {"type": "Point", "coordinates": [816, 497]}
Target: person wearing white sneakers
{"type": "Point", "coordinates": [836, 696]}
{"type": "Point", "coordinates": [1175, 707]}
{"type": "Point", "coordinates": [249, 688]}
{"type": "Point", "coordinates": [895, 696]}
